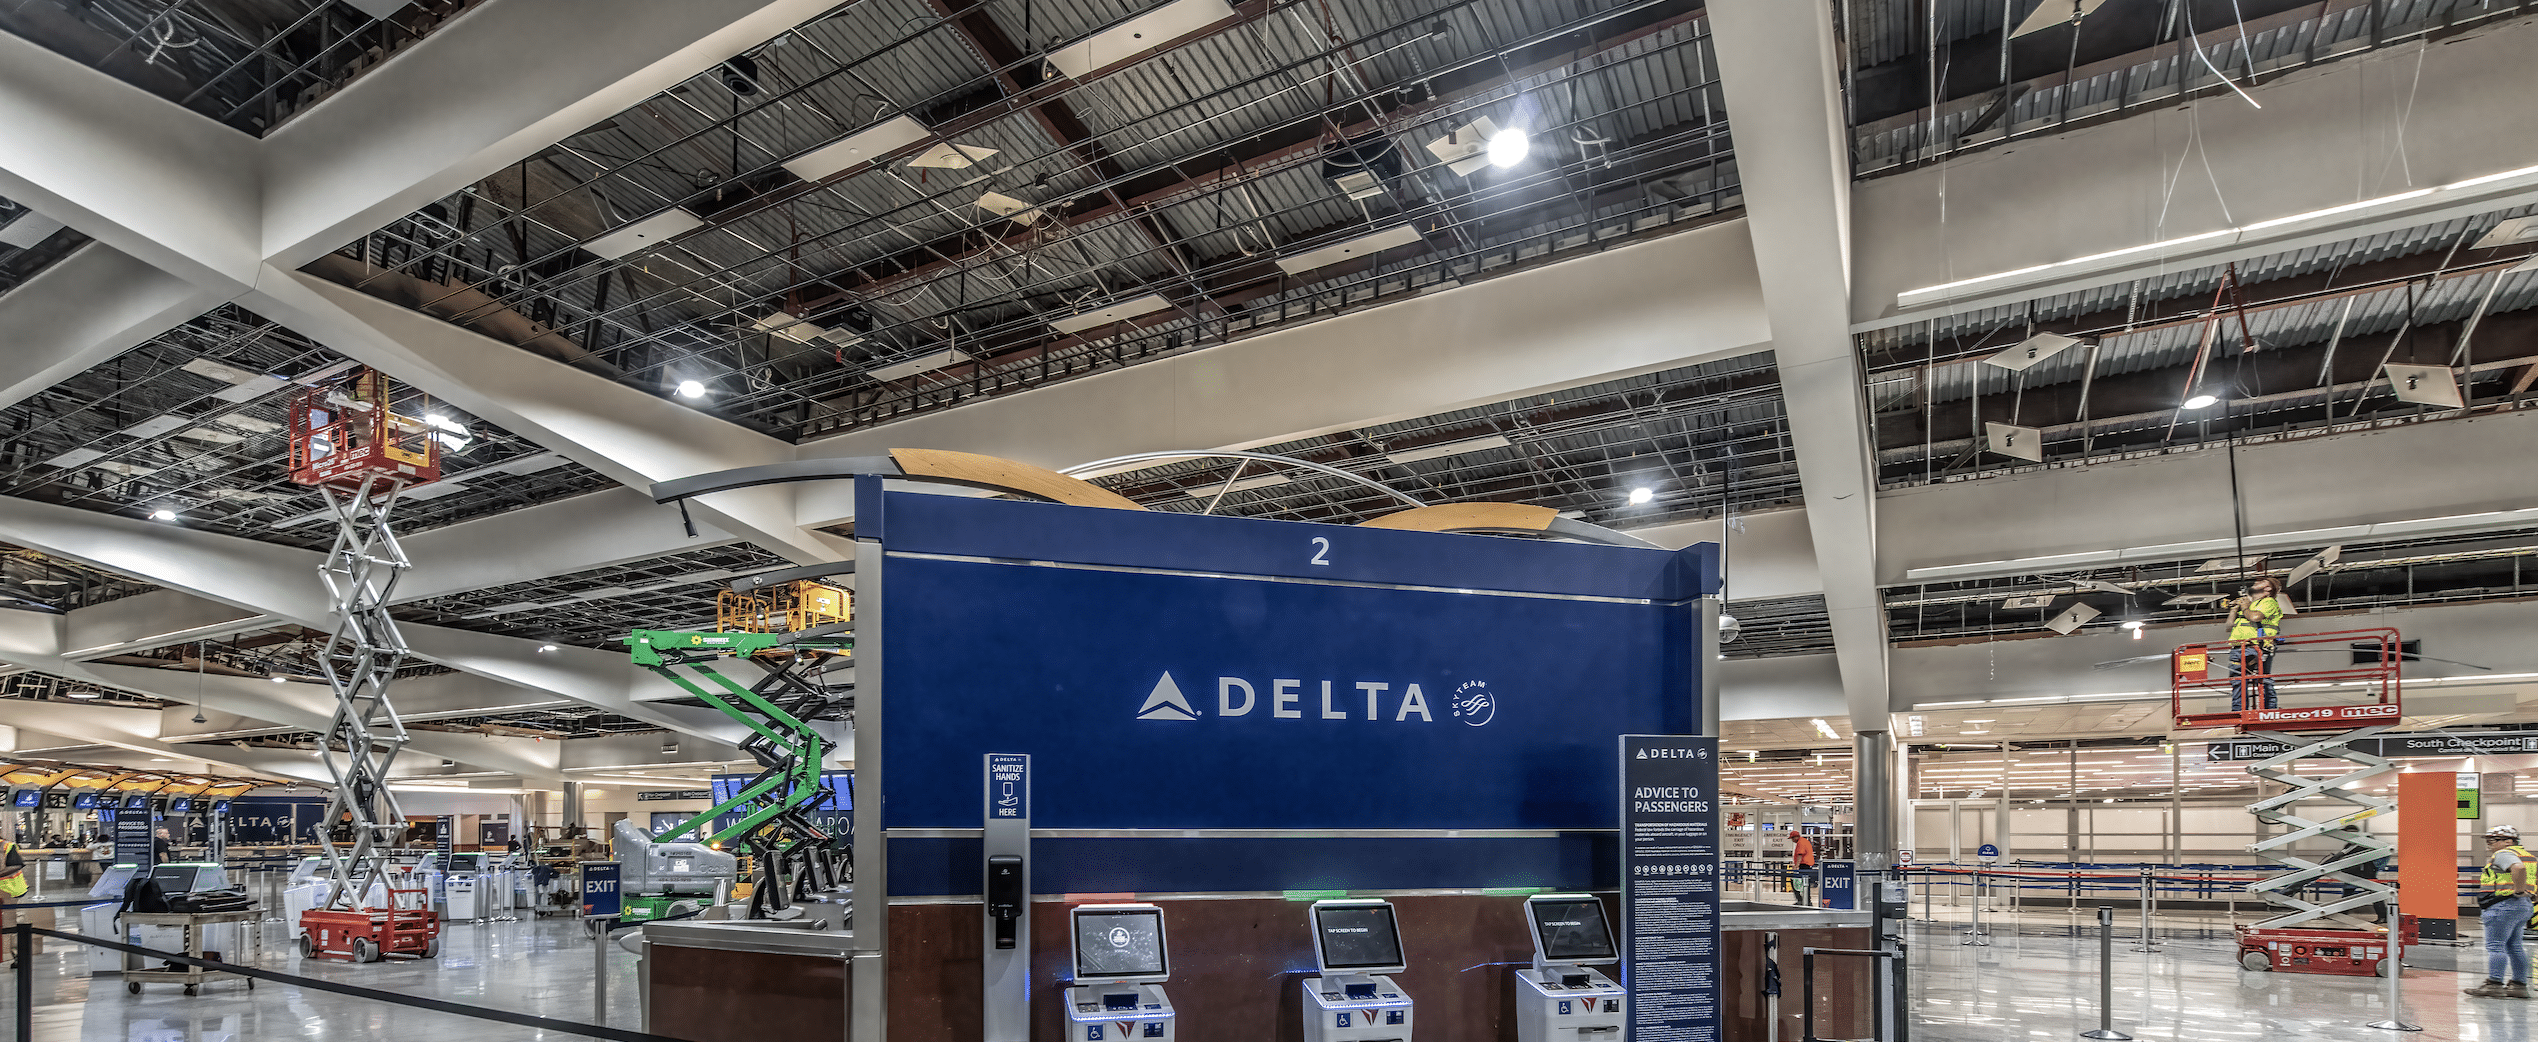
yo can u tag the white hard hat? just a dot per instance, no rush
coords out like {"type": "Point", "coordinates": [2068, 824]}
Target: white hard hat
{"type": "Point", "coordinates": [2502, 832]}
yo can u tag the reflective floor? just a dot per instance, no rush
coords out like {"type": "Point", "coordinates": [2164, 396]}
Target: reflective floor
{"type": "Point", "coordinates": [543, 968]}
{"type": "Point", "coordinates": [2036, 980]}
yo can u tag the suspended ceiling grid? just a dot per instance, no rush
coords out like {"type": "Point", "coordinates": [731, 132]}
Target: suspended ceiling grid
{"type": "Point", "coordinates": [907, 253]}
{"type": "Point", "coordinates": [250, 64]}
{"type": "Point", "coordinates": [2126, 54]}
{"type": "Point", "coordinates": [1928, 382]}
{"type": "Point", "coordinates": [193, 422]}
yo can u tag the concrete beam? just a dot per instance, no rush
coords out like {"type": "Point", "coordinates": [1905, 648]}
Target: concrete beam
{"type": "Point", "coordinates": [2360, 128]}
{"type": "Point", "coordinates": [282, 582]}
{"type": "Point", "coordinates": [1779, 69]}
{"type": "Point", "coordinates": [83, 311]}
{"type": "Point", "coordinates": [633, 437]}
{"type": "Point", "coordinates": [2445, 477]}
{"type": "Point", "coordinates": [490, 89]}
{"type": "Point", "coordinates": [1669, 302]}
{"type": "Point", "coordinates": [127, 168]}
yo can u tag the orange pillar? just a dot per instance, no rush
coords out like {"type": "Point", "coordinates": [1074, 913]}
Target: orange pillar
{"type": "Point", "coordinates": [2428, 851]}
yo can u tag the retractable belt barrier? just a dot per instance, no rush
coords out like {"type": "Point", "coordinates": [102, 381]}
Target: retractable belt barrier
{"type": "Point", "coordinates": [24, 933]}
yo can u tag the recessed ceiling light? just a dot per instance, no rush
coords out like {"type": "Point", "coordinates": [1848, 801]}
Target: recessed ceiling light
{"type": "Point", "coordinates": [85, 693]}
{"type": "Point", "coordinates": [691, 389]}
{"type": "Point", "coordinates": [163, 514]}
{"type": "Point", "coordinates": [1642, 495]}
{"type": "Point", "coordinates": [2201, 401]}
{"type": "Point", "coordinates": [278, 678]}
{"type": "Point", "coordinates": [544, 648]}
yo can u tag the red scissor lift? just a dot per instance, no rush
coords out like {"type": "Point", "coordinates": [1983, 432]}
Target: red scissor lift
{"type": "Point", "coordinates": [2319, 713]}
{"type": "Point", "coordinates": [347, 440]}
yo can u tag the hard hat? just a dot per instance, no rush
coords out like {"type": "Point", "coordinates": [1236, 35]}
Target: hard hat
{"type": "Point", "coordinates": [2502, 832]}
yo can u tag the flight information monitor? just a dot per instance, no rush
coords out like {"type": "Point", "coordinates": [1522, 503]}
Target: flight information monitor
{"type": "Point", "coordinates": [84, 801]}
{"type": "Point", "coordinates": [1357, 937]}
{"type": "Point", "coordinates": [136, 801]}
{"type": "Point", "coordinates": [1119, 944]}
{"type": "Point", "coordinates": [29, 798]}
{"type": "Point", "coordinates": [1571, 928]}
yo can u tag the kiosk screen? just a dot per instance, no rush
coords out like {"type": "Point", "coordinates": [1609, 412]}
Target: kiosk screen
{"type": "Point", "coordinates": [1358, 937]}
{"type": "Point", "coordinates": [29, 798]}
{"type": "Point", "coordinates": [1573, 930]}
{"type": "Point", "coordinates": [1119, 945]}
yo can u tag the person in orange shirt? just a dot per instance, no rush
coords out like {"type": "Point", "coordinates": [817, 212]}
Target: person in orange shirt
{"type": "Point", "coordinates": [1803, 852]}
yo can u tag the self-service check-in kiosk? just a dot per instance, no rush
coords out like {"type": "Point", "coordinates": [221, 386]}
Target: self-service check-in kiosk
{"type": "Point", "coordinates": [1559, 999]}
{"type": "Point", "coordinates": [1356, 943]}
{"type": "Point", "coordinates": [1120, 966]}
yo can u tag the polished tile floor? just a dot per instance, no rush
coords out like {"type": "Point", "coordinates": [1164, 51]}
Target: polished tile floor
{"type": "Point", "coordinates": [2036, 980]}
{"type": "Point", "coordinates": [543, 968]}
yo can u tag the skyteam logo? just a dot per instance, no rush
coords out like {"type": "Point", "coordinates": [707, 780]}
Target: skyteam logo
{"type": "Point", "coordinates": [1473, 703]}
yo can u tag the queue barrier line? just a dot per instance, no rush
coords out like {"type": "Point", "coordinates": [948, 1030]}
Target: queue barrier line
{"type": "Point", "coordinates": [26, 991]}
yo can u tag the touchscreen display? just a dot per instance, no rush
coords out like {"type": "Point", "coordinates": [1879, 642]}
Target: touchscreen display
{"type": "Point", "coordinates": [1118, 944]}
{"type": "Point", "coordinates": [1573, 930]}
{"type": "Point", "coordinates": [1358, 937]}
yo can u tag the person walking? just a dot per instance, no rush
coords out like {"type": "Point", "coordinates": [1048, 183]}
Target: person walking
{"type": "Point", "coordinates": [2255, 620]}
{"type": "Point", "coordinates": [2503, 893]}
{"type": "Point", "coordinates": [1802, 852]}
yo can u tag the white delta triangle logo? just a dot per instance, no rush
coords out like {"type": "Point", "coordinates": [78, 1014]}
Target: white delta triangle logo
{"type": "Point", "coordinates": [1472, 704]}
{"type": "Point", "coordinates": [1166, 702]}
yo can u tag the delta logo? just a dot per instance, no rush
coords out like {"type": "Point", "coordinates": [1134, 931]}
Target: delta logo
{"type": "Point", "coordinates": [1471, 704]}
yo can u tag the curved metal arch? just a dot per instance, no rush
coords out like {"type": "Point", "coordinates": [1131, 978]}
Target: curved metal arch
{"type": "Point", "coordinates": [1257, 457]}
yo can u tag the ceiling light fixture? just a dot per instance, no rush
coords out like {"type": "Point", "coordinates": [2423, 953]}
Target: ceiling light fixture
{"type": "Point", "coordinates": [691, 389]}
{"type": "Point", "coordinates": [163, 514]}
{"type": "Point", "coordinates": [2201, 401]}
{"type": "Point", "coordinates": [1508, 147]}
{"type": "Point", "coordinates": [544, 648]}
{"type": "Point", "coordinates": [1466, 149]}
{"type": "Point", "coordinates": [1362, 246]}
{"type": "Point", "coordinates": [1825, 729]}
{"type": "Point", "coordinates": [453, 434]}
{"type": "Point", "coordinates": [84, 694]}
{"type": "Point", "coordinates": [1642, 495]}
{"type": "Point", "coordinates": [277, 678]}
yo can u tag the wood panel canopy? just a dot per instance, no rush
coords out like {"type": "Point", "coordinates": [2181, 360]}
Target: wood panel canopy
{"type": "Point", "coordinates": [977, 471]}
{"type": "Point", "coordinates": [1469, 517]}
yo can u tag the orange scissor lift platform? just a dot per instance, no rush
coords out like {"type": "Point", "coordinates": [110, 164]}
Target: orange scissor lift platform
{"type": "Point", "coordinates": [2318, 712]}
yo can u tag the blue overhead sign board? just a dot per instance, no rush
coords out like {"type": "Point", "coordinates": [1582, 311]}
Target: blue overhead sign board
{"type": "Point", "coordinates": [1174, 671]}
{"type": "Point", "coordinates": [1670, 886]}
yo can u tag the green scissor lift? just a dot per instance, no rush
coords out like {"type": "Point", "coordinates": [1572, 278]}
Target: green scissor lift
{"type": "Point", "coordinates": [793, 854]}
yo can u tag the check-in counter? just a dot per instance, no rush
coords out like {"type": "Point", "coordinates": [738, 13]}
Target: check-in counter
{"type": "Point", "coordinates": [1844, 987]}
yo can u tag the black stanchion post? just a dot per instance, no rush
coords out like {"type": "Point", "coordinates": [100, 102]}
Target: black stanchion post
{"type": "Point", "coordinates": [22, 935]}
{"type": "Point", "coordinates": [2106, 979]}
{"type": "Point", "coordinates": [1806, 973]}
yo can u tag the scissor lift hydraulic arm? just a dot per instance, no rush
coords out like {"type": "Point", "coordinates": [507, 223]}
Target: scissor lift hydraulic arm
{"type": "Point", "coordinates": [2322, 712]}
{"type": "Point", "coordinates": [794, 855]}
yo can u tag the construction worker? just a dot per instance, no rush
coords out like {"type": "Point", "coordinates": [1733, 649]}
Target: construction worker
{"type": "Point", "coordinates": [13, 885]}
{"type": "Point", "coordinates": [2255, 620]}
{"type": "Point", "coordinates": [2504, 892]}
{"type": "Point", "coordinates": [1803, 853]}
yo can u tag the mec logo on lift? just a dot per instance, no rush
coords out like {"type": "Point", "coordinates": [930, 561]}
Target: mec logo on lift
{"type": "Point", "coordinates": [1473, 704]}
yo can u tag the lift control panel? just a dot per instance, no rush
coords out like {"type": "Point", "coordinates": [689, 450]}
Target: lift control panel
{"type": "Point", "coordinates": [1560, 998]}
{"type": "Point", "coordinates": [1356, 944]}
{"type": "Point", "coordinates": [1121, 962]}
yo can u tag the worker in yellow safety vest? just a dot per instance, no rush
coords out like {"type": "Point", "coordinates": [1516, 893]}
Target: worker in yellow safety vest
{"type": "Point", "coordinates": [2255, 620]}
{"type": "Point", "coordinates": [12, 885]}
{"type": "Point", "coordinates": [2503, 891]}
